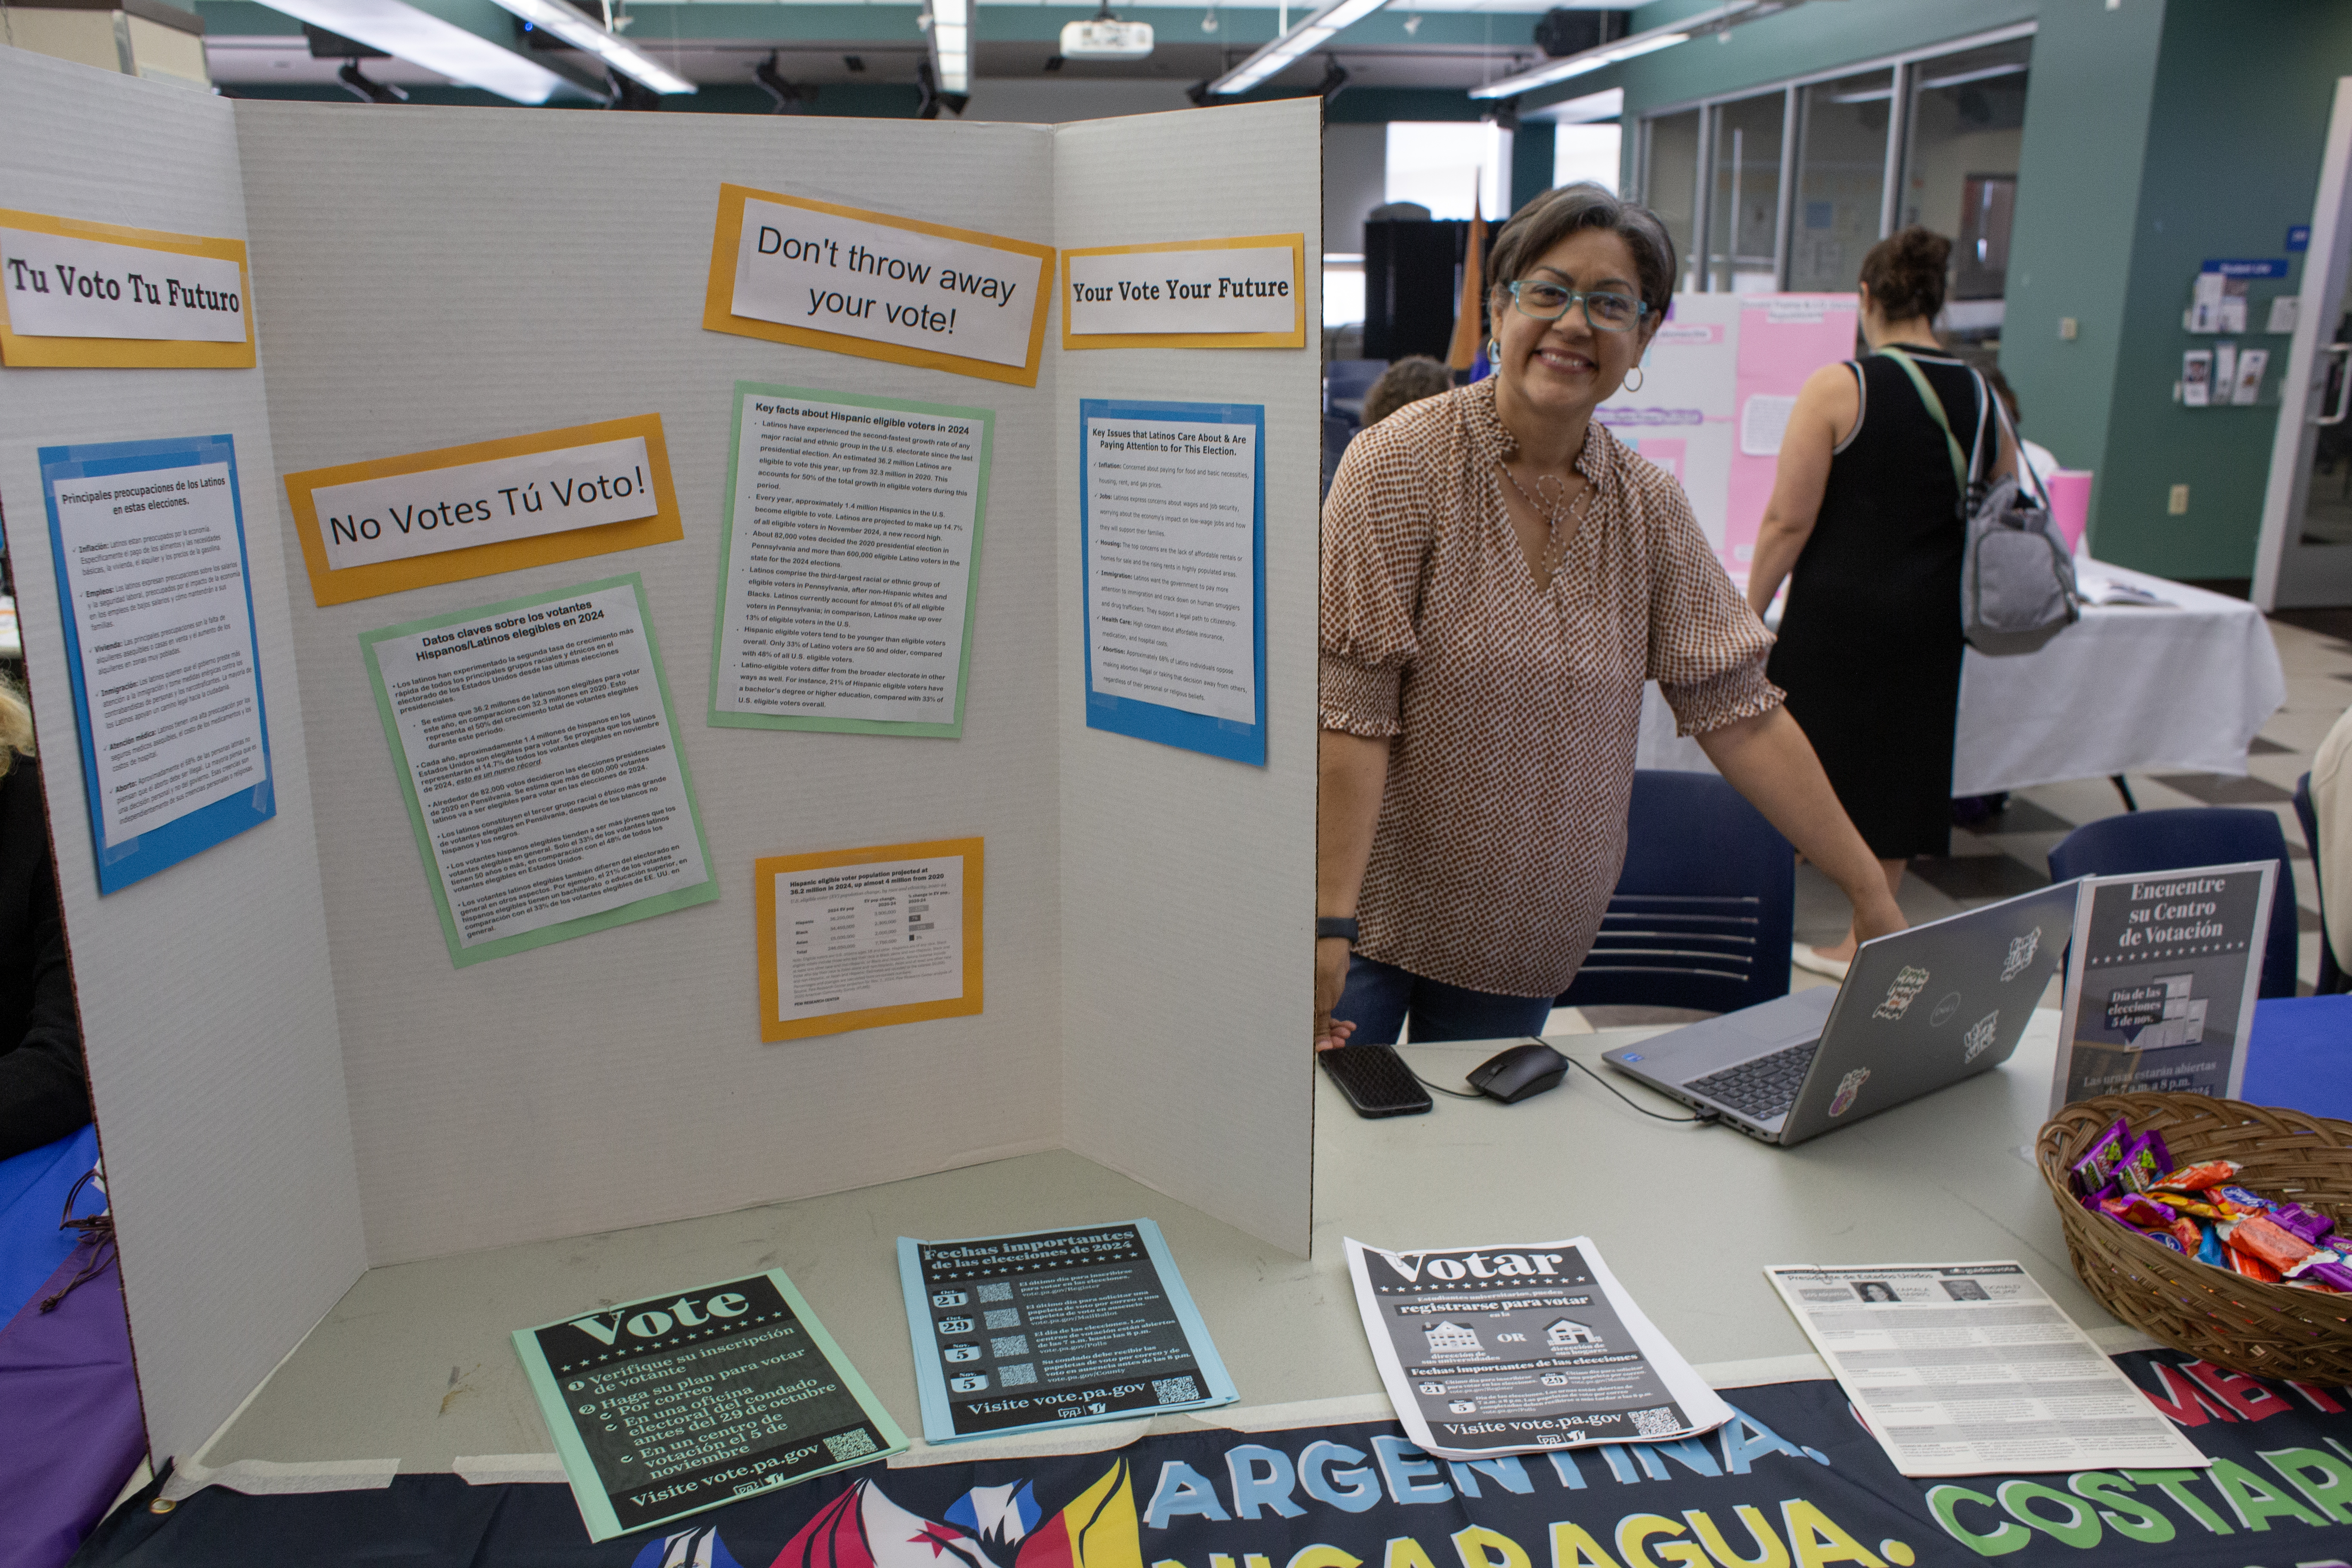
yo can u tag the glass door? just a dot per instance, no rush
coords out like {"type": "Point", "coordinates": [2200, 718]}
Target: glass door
{"type": "Point", "coordinates": [1743, 218]}
{"type": "Point", "coordinates": [2304, 555]}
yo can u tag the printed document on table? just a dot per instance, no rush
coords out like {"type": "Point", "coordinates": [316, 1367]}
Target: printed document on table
{"type": "Point", "coordinates": [541, 767]}
{"type": "Point", "coordinates": [1016, 1333]}
{"type": "Point", "coordinates": [687, 1400]}
{"type": "Point", "coordinates": [1968, 1369]}
{"type": "Point", "coordinates": [1521, 1347]}
{"type": "Point", "coordinates": [851, 530]}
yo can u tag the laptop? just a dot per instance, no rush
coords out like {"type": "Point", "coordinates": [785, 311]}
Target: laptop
{"type": "Point", "coordinates": [1919, 1010]}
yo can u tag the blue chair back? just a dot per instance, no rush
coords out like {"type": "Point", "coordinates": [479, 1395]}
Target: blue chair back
{"type": "Point", "coordinates": [2193, 836]}
{"type": "Point", "coordinates": [1704, 909]}
{"type": "Point", "coordinates": [2332, 978]}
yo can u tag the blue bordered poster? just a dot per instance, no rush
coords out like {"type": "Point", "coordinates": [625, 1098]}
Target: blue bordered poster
{"type": "Point", "coordinates": [149, 543]}
{"type": "Point", "coordinates": [1047, 1327]}
{"type": "Point", "coordinates": [1171, 531]}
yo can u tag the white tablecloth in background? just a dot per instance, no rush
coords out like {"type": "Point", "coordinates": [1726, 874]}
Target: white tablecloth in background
{"type": "Point", "coordinates": [2125, 690]}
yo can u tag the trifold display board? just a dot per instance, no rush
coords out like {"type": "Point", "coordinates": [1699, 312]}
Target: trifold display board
{"type": "Point", "coordinates": [293, 1080]}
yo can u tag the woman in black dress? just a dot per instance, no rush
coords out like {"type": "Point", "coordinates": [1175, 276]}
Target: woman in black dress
{"type": "Point", "coordinates": [1865, 523]}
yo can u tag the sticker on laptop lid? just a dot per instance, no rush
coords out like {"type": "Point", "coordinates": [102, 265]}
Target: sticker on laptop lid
{"type": "Point", "coordinates": [2021, 954]}
{"type": "Point", "coordinates": [1909, 981]}
{"type": "Point", "coordinates": [1979, 1036]}
{"type": "Point", "coordinates": [1850, 1087]}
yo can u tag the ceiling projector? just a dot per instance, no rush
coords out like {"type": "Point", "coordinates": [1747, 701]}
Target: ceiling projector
{"type": "Point", "coordinates": [1105, 38]}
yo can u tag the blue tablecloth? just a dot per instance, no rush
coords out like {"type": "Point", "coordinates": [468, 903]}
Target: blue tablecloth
{"type": "Point", "coordinates": [2299, 1055]}
{"type": "Point", "coordinates": [33, 1188]}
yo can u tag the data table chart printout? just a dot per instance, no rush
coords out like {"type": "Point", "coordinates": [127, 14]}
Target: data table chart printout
{"type": "Point", "coordinates": [851, 939]}
{"type": "Point", "coordinates": [542, 766]}
{"type": "Point", "coordinates": [679, 1403]}
{"type": "Point", "coordinates": [1048, 1328]}
{"type": "Point", "coordinates": [149, 552]}
{"type": "Point", "coordinates": [1173, 529]}
{"type": "Point", "coordinates": [851, 530]}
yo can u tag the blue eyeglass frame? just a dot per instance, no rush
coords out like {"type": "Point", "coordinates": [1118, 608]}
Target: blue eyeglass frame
{"type": "Point", "coordinates": [1579, 299]}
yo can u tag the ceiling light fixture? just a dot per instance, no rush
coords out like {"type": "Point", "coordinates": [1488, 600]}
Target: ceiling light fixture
{"type": "Point", "coordinates": [584, 34]}
{"type": "Point", "coordinates": [1720, 20]}
{"type": "Point", "coordinates": [950, 26]}
{"type": "Point", "coordinates": [1987, 73]}
{"type": "Point", "coordinates": [1293, 45]}
{"type": "Point", "coordinates": [422, 39]}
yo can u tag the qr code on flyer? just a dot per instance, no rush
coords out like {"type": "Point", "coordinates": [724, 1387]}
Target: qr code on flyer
{"type": "Point", "coordinates": [1174, 1390]}
{"type": "Point", "coordinates": [1661, 1422]}
{"type": "Point", "coordinates": [854, 1444]}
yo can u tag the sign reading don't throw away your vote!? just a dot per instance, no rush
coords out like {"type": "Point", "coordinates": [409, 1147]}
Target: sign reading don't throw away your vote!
{"type": "Point", "coordinates": [825, 277]}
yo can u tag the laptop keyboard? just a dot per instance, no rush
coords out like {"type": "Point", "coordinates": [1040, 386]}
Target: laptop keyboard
{"type": "Point", "coordinates": [1762, 1089]}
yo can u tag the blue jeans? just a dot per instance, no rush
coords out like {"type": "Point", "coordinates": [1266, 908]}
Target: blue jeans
{"type": "Point", "coordinates": [1379, 997]}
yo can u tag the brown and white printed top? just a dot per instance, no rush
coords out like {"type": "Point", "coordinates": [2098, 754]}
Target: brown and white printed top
{"type": "Point", "coordinates": [1514, 711]}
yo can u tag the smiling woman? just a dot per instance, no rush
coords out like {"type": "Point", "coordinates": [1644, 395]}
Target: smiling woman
{"type": "Point", "coordinates": [1500, 575]}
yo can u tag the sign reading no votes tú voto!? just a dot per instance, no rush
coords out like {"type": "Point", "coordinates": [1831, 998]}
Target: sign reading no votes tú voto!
{"type": "Point", "coordinates": [1247, 293]}
{"type": "Point", "coordinates": [463, 511]}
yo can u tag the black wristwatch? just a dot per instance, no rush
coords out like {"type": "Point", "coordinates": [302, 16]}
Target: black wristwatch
{"type": "Point", "coordinates": [1341, 926]}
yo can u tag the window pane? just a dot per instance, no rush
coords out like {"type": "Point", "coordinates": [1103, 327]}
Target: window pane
{"type": "Point", "coordinates": [1670, 184]}
{"type": "Point", "coordinates": [1960, 176]}
{"type": "Point", "coordinates": [1443, 164]}
{"type": "Point", "coordinates": [1841, 179]}
{"type": "Point", "coordinates": [1743, 206]}
{"type": "Point", "coordinates": [1585, 153]}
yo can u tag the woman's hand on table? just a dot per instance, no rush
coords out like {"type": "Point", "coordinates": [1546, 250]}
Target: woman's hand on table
{"type": "Point", "coordinates": [1330, 979]}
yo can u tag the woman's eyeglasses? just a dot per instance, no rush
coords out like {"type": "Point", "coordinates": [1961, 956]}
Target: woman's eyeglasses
{"type": "Point", "coordinates": [1603, 312]}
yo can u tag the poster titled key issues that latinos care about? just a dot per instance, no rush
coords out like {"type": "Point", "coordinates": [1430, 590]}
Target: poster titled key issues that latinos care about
{"type": "Point", "coordinates": [687, 1400]}
{"type": "Point", "coordinates": [538, 755]}
{"type": "Point", "coordinates": [1528, 1346]}
{"type": "Point", "coordinates": [1172, 534]}
{"type": "Point", "coordinates": [851, 533]}
{"type": "Point", "coordinates": [1020, 1332]}
{"type": "Point", "coordinates": [149, 541]}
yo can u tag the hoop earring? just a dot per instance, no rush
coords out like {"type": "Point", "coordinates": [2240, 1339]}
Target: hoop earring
{"type": "Point", "coordinates": [1634, 379]}
{"type": "Point", "coordinates": [1494, 351]}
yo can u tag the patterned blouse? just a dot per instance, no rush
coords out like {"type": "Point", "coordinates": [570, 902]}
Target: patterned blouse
{"type": "Point", "coordinates": [1514, 713]}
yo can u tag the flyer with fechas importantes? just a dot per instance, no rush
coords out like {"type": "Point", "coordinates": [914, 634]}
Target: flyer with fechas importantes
{"type": "Point", "coordinates": [1521, 1347]}
{"type": "Point", "coordinates": [1046, 1328]}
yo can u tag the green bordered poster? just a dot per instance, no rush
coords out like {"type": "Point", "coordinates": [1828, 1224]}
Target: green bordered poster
{"type": "Point", "coordinates": [846, 563]}
{"type": "Point", "coordinates": [684, 1401]}
{"type": "Point", "coordinates": [538, 753]}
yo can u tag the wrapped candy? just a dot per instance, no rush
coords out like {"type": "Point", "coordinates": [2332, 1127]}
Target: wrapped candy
{"type": "Point", "coordinates": [2144, 1163]}
{"type": "Point", "coordinates": [2139, 1211]}
{"type": "Point", "coordinates": [2197, 1178]}
{"type": "Point", "coordinates": [2097, 1168]}
{"type": "Point", "coordinates": [2261, 1236]}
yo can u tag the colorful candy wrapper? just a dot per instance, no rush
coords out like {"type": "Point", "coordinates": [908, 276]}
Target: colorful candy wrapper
{"type": "Point", "coordinates": [2252, 1268]}
{"type": "Point", "coordinates": [2335, 1275]}
{"type": "Point", "coordinates": [2190, 1234]}
{"type": "Point", "coordinates": [2210, 1249]}
{"type": "Point", "coordinates": [2181, 1203]}
{"type": "Point", "coordinates": [2306, 1222]}
{"type": "Point", "coordinates": [2260, 1237]}
{"type": "Point", "coordinates": [2197, 1178]}
{"type": "Point", "coordinates": [2139, 1211]}
{"type": "Point", "coordinates": [2144, 1163]}
{"type": "Point", "coordinates": [2166, 1238]}
{"type": "Point", "coordinates": [2097, 1168]}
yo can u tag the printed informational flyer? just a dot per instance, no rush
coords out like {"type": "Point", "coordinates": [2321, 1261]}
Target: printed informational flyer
{"type": "Point", "coordinates": [1020, 1332]}
{"type": "Point", "coordinates": [852, 939]}
{"type": "Point", "coordinates": [541, 766]}
{"type": "Point", "coordinates": [149, 542]}
{"type": "Point", "coordinates": [2160, 982]}
{"type": "Point", "coordinates": [1172, 534]}
{"type": "Point", "coordinates": [1968, 1368]}
{"type": "Point", "coordinates": [684, 1401]}
{"type": "Point", "coordinates": [1521, 1347]}
{"type": "Point", "coordinates": [847, 559]}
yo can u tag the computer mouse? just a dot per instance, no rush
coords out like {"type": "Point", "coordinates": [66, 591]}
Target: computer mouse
{"type": "Point", "coordinates": [1512, 1076]}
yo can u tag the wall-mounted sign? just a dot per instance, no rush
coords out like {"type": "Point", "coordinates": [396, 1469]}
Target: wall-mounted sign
{"type": "Point", "coordinates": [1247, 293]}
{"type": "Point", "coordinates": [99, 294]}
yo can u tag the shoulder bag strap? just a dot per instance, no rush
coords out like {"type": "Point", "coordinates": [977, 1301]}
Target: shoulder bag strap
{"type": "Point", "coordinates": [1935, 411]}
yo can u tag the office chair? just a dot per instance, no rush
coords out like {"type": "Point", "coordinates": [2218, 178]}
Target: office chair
{"type": "Point", "coordinates": [2192, 835]}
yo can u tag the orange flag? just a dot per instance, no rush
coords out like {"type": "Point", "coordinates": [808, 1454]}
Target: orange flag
{"type": "Point", "coordinates": [1466, 338]}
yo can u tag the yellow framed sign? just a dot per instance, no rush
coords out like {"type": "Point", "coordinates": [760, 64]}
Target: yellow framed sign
{"type": "Point", "coordinates": [821, 276]}
{"type": "Point", "coordinates": [394, 523]}
{"type": "Point", "coordinates": [855, 938]}
{"type": "Point", "coordinates": [1244, 293]}
{"type": "Point", "coordinates": [104, 296]}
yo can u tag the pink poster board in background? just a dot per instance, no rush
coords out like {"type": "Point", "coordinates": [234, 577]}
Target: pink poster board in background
{"type": "Point", "coordinates": [1784, 338]}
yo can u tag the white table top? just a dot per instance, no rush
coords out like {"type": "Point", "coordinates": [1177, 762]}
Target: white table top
{"type": "Point", "coordinates": [414, 1363]}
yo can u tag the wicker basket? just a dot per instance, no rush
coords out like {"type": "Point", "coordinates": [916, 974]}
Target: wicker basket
{"type": "Point", "coordinates": [2268, 1331]}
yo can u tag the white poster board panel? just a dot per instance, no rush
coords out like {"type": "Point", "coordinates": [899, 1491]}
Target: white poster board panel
{"type": "Point", "coordinates": [488, 1104]}
{"type": "Point", "coordinates": [1181, 872]}
{"type": "Point", "coordinates": [212, 1042]}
